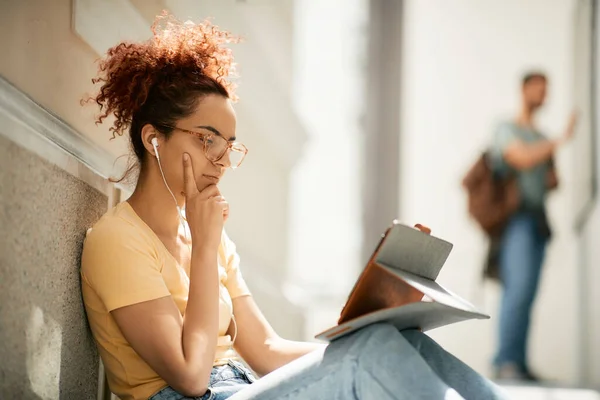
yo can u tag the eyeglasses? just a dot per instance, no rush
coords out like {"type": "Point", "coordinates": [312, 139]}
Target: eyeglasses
{"type": "Point", "coordinates": [215, 147]}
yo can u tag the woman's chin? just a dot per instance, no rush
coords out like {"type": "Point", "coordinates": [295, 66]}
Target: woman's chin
{"type": "Point", "coordinates": [204, 183]}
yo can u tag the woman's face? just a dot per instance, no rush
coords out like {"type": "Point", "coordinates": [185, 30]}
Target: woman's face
{"type": "Point", "coordinates": [214, 115]}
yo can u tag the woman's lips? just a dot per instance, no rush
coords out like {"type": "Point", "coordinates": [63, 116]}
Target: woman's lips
{"type": "Point", "coordinates": [214, 179]}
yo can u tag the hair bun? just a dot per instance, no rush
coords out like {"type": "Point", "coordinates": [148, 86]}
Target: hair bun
{"type": "Point", "coordinates": [176, 50]}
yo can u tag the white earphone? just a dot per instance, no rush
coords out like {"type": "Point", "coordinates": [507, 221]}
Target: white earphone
{"type": "Point", "coordinates": [154, 142]}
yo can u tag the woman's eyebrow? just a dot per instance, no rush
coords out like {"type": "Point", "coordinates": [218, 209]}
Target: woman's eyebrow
{"type": "Point", "coordinates": [215, 131]}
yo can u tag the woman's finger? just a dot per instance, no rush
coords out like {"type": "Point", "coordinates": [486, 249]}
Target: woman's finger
{"type": "Point", "coordinates": [209, 192]}
{"type": "Point", "coordinates": [189, 182]}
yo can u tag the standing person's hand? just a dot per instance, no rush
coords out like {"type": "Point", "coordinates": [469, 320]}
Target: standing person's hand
{"type": "Point", "coordinates": [570, 131]}
{"type": "Point", "coordinates": [205, 210]}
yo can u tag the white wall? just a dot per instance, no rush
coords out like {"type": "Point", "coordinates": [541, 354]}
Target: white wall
{"type": "Point", "coordinates": [462, 64]}
{"type": "Point", "coordinates": [590, 365]}
{"type": "Point", "coordinates": [325, 187]}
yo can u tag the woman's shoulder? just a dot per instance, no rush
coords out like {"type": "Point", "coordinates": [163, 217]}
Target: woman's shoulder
{"type": "Point", "coordinates": [118, 226]}
{"type": "Point", "coordinates": [117, 240]}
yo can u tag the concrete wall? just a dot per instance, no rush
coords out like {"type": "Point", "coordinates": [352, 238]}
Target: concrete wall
{"type": "Point", "coordinates": [47, 349]}
{"type": "Point", "coordinates": [47, 61]}
{"type": "Point", "coordinates": [461, 70]}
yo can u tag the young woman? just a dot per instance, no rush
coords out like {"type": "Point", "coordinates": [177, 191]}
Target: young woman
{"type": "Point", "coordinates": [164, 294]}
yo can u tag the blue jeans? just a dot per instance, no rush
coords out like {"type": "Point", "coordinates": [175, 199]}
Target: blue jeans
{"type": "Point", "coordinates": [224, 381]}
{"type": "Point", "coordinates": [375, 363]}
{"type": "Point", "coordinates": [521, 256]}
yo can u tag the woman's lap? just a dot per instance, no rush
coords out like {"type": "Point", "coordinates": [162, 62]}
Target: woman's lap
{"type": "Point", "coordinates": [377, 362]}
{"type": "Point", "coordinates": [225, 381]}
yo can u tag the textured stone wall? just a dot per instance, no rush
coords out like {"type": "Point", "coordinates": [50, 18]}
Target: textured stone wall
{"type": "Point", "coordinates": [46, 349]}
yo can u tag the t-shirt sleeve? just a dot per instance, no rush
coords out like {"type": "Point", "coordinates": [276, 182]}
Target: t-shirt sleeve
{"type": "Point", "coordinates": [504, 136]}
{"type": "Point", "coordinates": [122, 266]}
{"type": "Point", "coordinates": [235, 284]}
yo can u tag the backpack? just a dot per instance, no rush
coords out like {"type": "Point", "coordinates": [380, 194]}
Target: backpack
{"type": "Point", "coordinates": [491, 199]}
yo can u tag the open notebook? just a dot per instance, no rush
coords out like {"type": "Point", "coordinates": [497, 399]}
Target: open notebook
{"type": "Point", "coordinates": [398, 286]}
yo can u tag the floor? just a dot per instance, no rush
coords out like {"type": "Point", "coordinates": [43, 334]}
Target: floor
{"type": "Point", "coordinates": [550, 393]}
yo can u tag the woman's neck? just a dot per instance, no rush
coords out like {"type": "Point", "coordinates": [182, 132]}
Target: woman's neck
{"type": "Point", "coordinates": [155, 206]}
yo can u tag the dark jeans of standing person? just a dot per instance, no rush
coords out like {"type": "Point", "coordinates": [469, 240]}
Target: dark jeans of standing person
{"type": "Point", "coordinates": [522, 251]}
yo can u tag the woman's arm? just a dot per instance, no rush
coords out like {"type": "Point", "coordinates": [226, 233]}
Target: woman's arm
{"type": "Point", "coordinates": [257, 342]}
{"type": "Point", "coordinates": [180, 349]}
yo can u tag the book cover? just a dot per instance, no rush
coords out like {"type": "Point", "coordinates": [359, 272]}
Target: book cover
{"type": "Point", "coordinates": [398, 286]}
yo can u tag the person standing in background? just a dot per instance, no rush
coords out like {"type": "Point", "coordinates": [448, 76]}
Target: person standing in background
{"type": "Point", "coordinates": [520, 149]}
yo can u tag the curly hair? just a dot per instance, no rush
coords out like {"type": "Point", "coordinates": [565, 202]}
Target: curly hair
{"type": "Point", "coordinates": [162, 79]}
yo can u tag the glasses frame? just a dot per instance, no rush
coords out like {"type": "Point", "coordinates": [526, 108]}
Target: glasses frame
{"type": "Point", "coordinates": [233, 146]}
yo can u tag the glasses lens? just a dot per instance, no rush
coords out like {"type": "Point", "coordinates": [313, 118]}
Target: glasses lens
{"type": "Point", "coordinates": [235, 158]}
{"type": "Point", "coordinates": [216, 146]}
{"type": "Point", "coordinates": [216, 149]}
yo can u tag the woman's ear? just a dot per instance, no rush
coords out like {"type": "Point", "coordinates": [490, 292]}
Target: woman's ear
{"type": "Point", "coordinates": [149, 133]}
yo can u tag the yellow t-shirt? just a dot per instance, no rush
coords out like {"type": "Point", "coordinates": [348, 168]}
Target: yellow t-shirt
{"type": "Point", "coordinates": [125, 263]}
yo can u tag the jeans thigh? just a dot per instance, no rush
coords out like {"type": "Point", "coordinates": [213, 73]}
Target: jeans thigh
{"type": "Point", "coordinates": [375, 362]}
{"type": "Point", "coordinates": [309, 377]}
{"type": "Point", "coordinates": [521, 256]}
